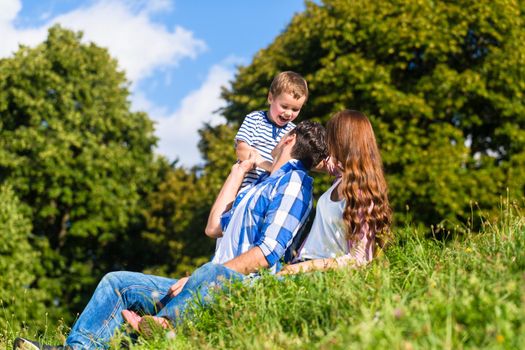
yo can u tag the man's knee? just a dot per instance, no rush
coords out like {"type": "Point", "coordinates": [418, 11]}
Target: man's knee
{"type": "Point", "coordinates": [116, 279]}
{"type": "Point", "coordinates": [212, 275]}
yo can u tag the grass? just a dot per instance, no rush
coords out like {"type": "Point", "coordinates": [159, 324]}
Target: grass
{"type": "Point", "coordinates": [465, 293]}
{"type": "Point", "coordinates": [468, 292]}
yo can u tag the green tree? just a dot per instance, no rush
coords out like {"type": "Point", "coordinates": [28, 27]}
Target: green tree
{"type": "Point", "coordinates": [443, 83]}
{"type": "Point", "coordinates": [174, 237]}
{"type": "Point", "coordinates": [22, 302]}
{"type": "Point", "coordinates": [217, 148]}
{"type": "Point", "coordinates": [75, 154]}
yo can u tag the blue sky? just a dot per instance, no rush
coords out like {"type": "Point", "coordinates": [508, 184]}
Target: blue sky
{"type": "Point", "coordinates": [176, 53]}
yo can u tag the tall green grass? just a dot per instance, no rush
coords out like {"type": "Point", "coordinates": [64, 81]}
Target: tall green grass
{"type": "Point", "coordinates": [423, 293]}
{"type": "Point", "coordinates": [467, 292]}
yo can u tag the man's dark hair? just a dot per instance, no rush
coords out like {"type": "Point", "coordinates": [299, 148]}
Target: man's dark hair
{"type": "Point", "coordinates": [310, 143]}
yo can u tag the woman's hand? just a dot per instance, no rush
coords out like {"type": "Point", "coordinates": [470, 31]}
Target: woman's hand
{"type": "Point", "coordinates": [333, 167]}
{"type": "Point", "coordinates": [328, 165]}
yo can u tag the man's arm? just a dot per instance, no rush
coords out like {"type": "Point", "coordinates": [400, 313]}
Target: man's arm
{"type": "Point", "coordinates": [227, 195]}
{"type": "Point", "coordinates": [287, 211]}
{"type": "Point", "coordinates": [248, 262]}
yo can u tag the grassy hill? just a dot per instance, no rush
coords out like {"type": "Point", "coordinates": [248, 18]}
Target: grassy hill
{"type": "Point", "coordinates": [467, 292]}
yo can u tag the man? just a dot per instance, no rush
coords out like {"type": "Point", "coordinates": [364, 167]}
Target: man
{"type": "Point", "coordinates": [259, 223]}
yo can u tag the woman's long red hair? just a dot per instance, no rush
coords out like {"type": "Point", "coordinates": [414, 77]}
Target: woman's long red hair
{"type": "Point", "coordinates": [352, 142]}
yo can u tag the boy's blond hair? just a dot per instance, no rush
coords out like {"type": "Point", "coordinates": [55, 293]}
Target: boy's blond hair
{"type": "Point", "coordinates": [289, 82]}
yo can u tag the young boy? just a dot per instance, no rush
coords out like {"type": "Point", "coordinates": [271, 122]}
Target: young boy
{"type": "Point", "coordinates": [261, 131]}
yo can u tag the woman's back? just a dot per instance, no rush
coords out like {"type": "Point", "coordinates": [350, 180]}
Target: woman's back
{"type": "Point", "coordinates": [327, 238]}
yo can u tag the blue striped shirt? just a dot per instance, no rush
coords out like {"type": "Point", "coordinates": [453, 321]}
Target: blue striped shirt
{"type": "Point", "coordinates": [267, 215]}
{"type": "Point", "coordinates": [258, 131]}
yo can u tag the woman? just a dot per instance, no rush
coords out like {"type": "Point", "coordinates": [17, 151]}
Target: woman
{"type": "Point", "coordinates": [354, 215]}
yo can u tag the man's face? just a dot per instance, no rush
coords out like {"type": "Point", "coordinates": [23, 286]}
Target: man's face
{"type": "Point", "coordinates": [284, 108]}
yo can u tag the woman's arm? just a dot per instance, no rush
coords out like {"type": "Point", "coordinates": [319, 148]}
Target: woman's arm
{"type": "Point", "coordinates": [227, 195]}
{"type": "Point", "coordinates": [317, 265]}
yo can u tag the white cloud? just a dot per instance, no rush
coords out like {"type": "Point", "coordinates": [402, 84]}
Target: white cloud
{"type": "Point", "coordinates": [154, 6]}
{"type": "Point", "coordinates": [9, 9]}
{"type": "Point", "coordinates": [12, 37]}
{"type": "Point", "coordinates": [178, 131]}
{"type": "Point", "coordinates": [140, 45]}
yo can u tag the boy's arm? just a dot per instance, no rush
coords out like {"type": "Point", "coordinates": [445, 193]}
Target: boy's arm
{"type": "Point", "coordinates": [243, 150]}
{"type": "Point", "coordinates": [227, 195]}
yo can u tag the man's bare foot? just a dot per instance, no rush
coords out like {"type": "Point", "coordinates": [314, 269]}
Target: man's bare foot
{"type": "Point", "coordinates": [149, 326]}
{"type": "Point", "coordinates": [132, 318]}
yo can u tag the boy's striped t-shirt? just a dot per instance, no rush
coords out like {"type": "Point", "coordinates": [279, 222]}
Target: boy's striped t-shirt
{"type": "Point", "coordinates": [260, 133]}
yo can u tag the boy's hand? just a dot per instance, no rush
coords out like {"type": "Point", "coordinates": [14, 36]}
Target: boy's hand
{"type": "Point", "coordinates": [321, 167]}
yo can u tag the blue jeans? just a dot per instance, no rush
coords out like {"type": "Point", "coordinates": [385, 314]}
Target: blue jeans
{"type": "Point", "coordinates": [142, 293]}
{"type": "Point", "coordinates": [201, 284]}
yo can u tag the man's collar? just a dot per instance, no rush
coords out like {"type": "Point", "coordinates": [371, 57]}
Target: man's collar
{"type": "Point", "coordinates": [292, 164]}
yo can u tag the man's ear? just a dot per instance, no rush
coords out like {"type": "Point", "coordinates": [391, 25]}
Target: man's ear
{"type": "Point", "coordinates": [270, 98]}
{"type": "Point", "coordinates": [290, 138]}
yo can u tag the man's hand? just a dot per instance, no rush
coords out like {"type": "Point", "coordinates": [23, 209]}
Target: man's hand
{"type": "Point", "coordinates": [177, 287]}
{"type": "Point", "coordinates": [248, 164]}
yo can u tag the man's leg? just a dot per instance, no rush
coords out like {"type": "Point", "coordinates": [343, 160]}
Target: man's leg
{"type": "Point", "coordinates": [203, 282]}
{"type": "Point", "coordinates": [117, 291]}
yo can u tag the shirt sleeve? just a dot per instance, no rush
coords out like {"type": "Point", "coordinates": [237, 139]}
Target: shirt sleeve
{"type": "Point", "coordinates": [227, 215]}
{"type": "Point", "coordinates": [288, 210]}
{"type": "Point", "coordinates": [225, 219]}
{"type": "Point", "coordinates": [248, 127]}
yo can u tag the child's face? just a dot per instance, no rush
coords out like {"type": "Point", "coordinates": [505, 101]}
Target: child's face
{"type": "Point", "coordinates": [284, 108]}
